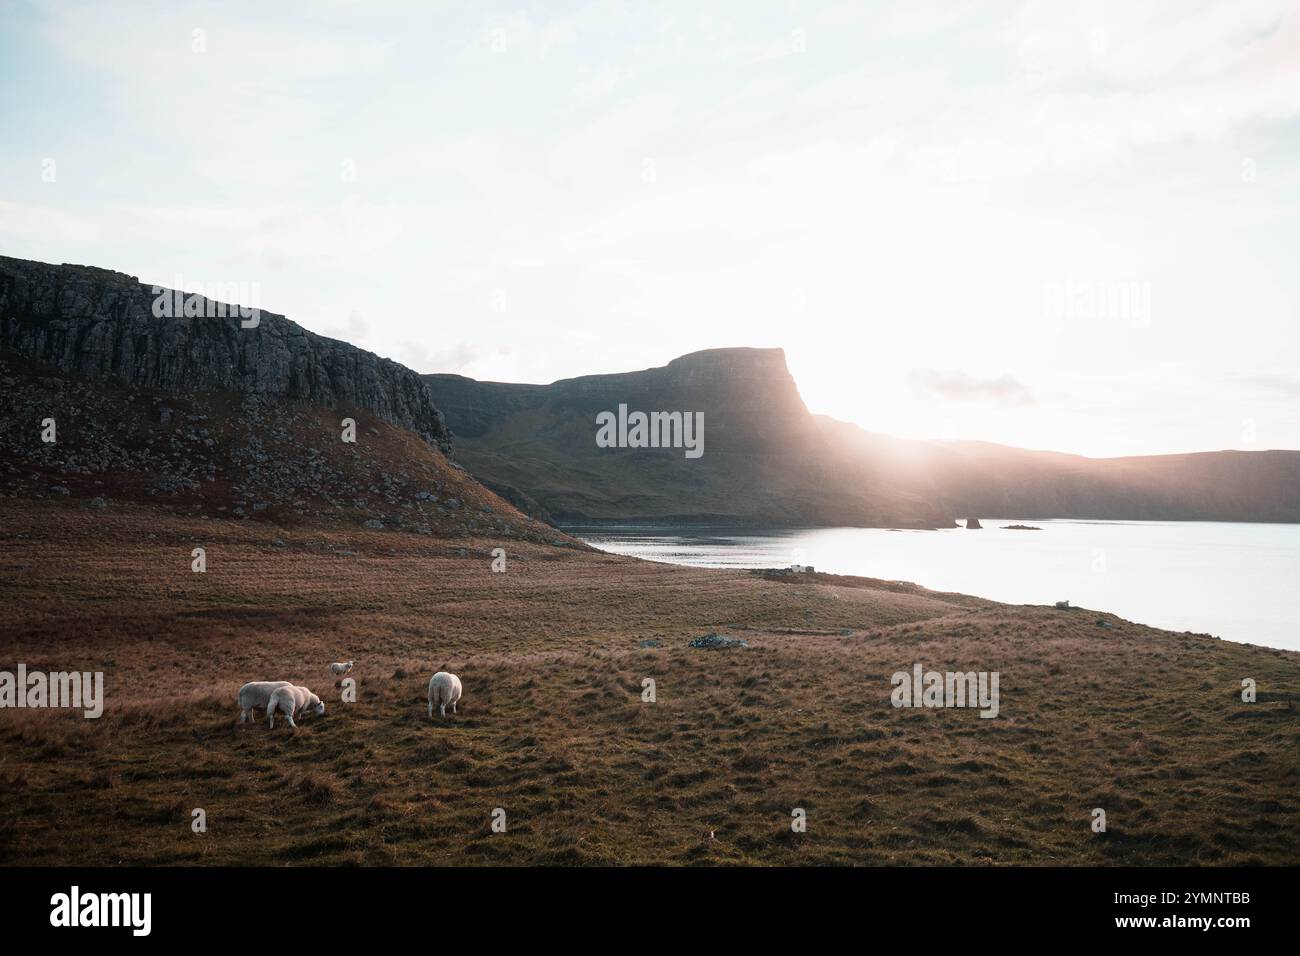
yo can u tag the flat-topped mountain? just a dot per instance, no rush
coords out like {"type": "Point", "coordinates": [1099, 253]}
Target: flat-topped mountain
{"type": "Point", "coordinates": [768, 461]}
{"type": "Point", "coordinates": [764, 459]}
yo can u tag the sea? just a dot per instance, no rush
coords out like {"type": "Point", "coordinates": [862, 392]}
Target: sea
{"type": "Point", "coordinates": [1236, 581]}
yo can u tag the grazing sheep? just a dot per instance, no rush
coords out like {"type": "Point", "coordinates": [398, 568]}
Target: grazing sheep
{"type": "Point", "coordinates": [444, 689]}
{"type": "Point", "coordinates": [340, 669]}
{"type": "Point", "coordinates": [293, 701]}
{"type": "Point", "coordinates": [255, 695]}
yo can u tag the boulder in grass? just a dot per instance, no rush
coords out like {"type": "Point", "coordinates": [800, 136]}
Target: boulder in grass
{"type": "Point", "coordinates": [718, 640]}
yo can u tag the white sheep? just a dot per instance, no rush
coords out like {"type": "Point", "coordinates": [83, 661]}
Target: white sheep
{"type": "Point", "coordinates": [293, 701]}
{"type": "Point", "coordinates": [340, 669]}
{"type": "Point", "coordinates": [444, 689]}
{"type": "Point", "coordinates": [255, 695]}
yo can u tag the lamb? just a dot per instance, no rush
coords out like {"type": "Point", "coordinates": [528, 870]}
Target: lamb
{"type": "Point", "coordinates": [340, 669]}
{"type": "Point", "coordinates": [444, 689]}
{"type": "Point", "coordinates": [293, 701]}
{"type": "Point", "coordinates": [255, 695]}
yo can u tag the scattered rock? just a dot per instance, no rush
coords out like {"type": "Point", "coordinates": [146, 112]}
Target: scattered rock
{"type": "Point", "coordinates": [1020, 527]}
{"type": "Point", "coordinates": [718, 640]}
{"type": "Point", "coordinates": [652, 642]}
{"type": "Point", "coordinates": [1063, 605]}
{"type": "Point", "coordinates": [973, 524]}
{"type": "Point", "coordinates": [375, 524]}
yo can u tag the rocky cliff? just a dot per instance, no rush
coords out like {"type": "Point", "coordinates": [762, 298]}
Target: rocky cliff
{"type": "Point", "coordinates": [100, 325]}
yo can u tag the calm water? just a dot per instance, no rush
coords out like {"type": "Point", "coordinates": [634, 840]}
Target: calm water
{"type": "Point", "coordinates": [1237, 581]}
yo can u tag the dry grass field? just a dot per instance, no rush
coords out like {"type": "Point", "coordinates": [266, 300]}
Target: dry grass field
{"type": "Point", "coordinates": [1144, 723]}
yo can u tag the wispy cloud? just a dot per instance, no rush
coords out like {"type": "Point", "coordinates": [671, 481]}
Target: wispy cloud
{"type": "Point", "coordinates": [957, 386]}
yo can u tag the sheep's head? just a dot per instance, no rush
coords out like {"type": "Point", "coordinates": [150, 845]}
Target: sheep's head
{"type": "Point", "coordinates": [318, 708]}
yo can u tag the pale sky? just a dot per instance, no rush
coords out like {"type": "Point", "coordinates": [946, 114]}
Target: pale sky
{"type": "Point", "coordinates": [1054, 225]}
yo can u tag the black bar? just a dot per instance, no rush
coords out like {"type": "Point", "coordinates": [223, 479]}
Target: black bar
{"type": "Point", "coordinates": [220, 904]}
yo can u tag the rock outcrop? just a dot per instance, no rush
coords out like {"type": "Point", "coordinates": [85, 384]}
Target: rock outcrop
{"type": "Point", "coordinates": [99, 325]}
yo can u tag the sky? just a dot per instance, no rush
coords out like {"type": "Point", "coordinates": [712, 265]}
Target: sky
{"type": "Point", "coordinates": [1051, 225]}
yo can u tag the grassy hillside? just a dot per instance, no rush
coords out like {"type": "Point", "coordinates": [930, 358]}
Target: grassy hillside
{"type": "Point", "coordinates": [229, 455]}
{"type": "Point", "coordinates": [1144, 723]}
{"type": "Point", "coordinates": [997, 481]}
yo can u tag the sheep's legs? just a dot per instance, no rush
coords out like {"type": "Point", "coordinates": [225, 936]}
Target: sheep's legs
{"type": "Point", "coordinates": [453, 707]}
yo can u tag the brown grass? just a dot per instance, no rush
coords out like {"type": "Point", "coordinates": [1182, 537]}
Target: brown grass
{"type": "Point", "coordinates": [1143, 723]}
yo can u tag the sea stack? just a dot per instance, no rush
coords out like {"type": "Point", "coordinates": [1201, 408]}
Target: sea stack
{"type": "Point", "coordinates": [974, 524]}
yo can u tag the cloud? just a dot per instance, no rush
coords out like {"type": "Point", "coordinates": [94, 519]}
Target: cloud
{"type": "Point", "coordinates": [1270, 384]}
{"type": "Point", "coordinates": [45, 224]}
{"type": "Point", "coordinates": [352, 234]}
{"type": "Point", "coordinates": [455, 358]}
{"type": "Point", "coordinates": [957, 386]}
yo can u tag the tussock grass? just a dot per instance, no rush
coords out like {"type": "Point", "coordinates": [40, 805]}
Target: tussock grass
{"type": "Point", "coordinates": [1143, 723]}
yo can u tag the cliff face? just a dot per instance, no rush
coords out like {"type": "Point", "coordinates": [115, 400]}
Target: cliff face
{"type": "Point", "coordinates": [99, 325]}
